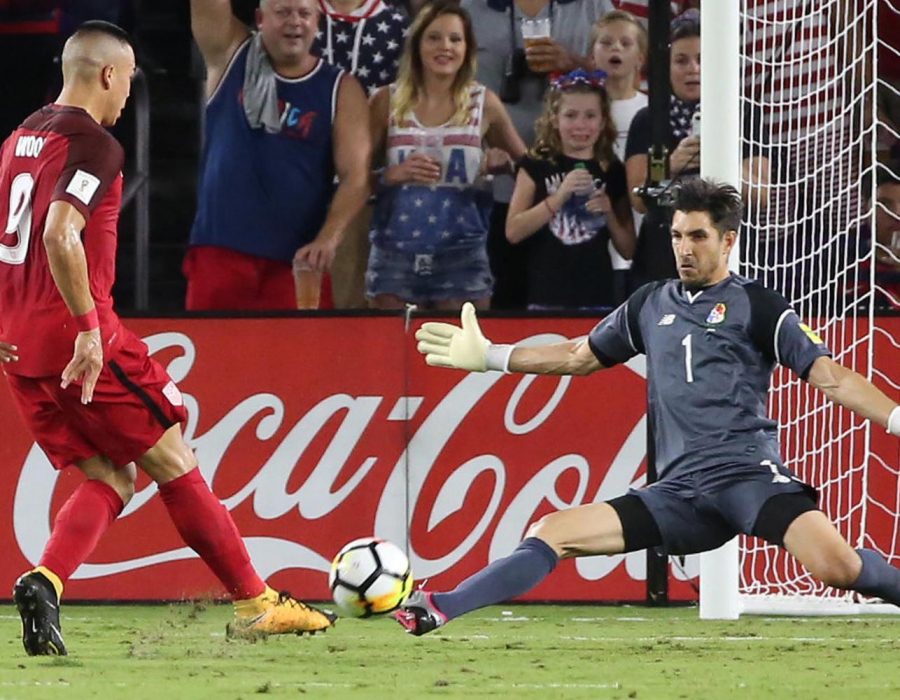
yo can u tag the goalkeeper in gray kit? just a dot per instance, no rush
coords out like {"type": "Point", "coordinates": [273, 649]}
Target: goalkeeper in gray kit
{"type": "Point", "coordinates": [712, 339]}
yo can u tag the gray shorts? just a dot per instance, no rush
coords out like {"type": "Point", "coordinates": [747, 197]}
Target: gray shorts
{"type": "Point", "coordinates": [702, 510]}
{"type": "Point", "coordinates": [425, 277]}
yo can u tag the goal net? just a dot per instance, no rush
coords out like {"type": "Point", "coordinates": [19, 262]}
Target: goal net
{"type": "Point", "coordinates": [809, 72]}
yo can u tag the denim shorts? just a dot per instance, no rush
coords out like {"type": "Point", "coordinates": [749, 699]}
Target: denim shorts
{"type": "Point", "coordinates": [425, 277]}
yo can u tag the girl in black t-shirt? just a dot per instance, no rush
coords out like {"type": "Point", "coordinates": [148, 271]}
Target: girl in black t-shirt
{"type": "Point", "coordinates": [571, 198]}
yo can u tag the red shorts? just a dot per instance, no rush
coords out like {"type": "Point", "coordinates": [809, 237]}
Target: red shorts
{"type": "Point", "coordinates": [134, 403]}
{"type": "Point", "coordinates": [226, 280]}
{"type": "Point", "coordinates": [219, 279]}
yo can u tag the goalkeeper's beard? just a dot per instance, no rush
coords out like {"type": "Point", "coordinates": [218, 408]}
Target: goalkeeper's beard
{"type": "Point", "coordinates": [693, 283]}
{"type": "Point", "coordinates": [698, 280]}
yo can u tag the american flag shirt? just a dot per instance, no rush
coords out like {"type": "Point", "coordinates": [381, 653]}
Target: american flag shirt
{"type": "Point", "coordinates": [367, 42]}
{"type": "Point", "coordinates": [452, 214]}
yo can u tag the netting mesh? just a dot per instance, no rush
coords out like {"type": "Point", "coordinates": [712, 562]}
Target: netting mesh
{"type": "Point", "coordinates": [809, 81]}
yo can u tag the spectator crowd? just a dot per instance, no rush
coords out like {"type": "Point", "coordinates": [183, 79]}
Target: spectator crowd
{"type": "Point", "coordinates": [385, 153]}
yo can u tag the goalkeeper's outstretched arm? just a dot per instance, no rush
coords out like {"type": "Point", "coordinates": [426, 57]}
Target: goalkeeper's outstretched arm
{"type": "Point", "coordinates": [853, 391]}
{"type": "Point", "coordinates": [465, 347]}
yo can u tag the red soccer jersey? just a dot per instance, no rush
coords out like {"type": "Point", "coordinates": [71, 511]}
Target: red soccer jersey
{"type": "Point", "coordinates": [58, 153]}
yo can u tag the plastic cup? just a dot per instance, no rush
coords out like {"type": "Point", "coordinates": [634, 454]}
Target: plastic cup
{"type": "Point", "coordinates": [308, 286]}
{"type": "Point", "coordinates": [534, 32]}
{"type": "Point", "coordinates": [430, 145]}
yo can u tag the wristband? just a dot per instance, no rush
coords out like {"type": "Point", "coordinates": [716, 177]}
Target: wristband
{"type": "Point", "coordinates": [893, 422]}
{"type": "Point", "coordinates": [549, 207]}
{"type": "Point", "coordinates": [497, 357]}
{"type": "Point", "coordinates": [87, 321]}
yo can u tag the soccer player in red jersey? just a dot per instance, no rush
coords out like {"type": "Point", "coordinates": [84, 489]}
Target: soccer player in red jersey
{"type": "Point", "coordinates": [84, 383]}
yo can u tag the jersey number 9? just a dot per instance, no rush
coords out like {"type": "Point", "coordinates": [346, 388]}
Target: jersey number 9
{"type": "Point", "coordinates": [19, 219]}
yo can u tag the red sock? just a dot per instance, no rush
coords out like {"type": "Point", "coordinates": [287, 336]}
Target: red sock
{"type": "Point", "coordinates": [79, 525]}
{"type": "Point", "coordinates": [206, 527]}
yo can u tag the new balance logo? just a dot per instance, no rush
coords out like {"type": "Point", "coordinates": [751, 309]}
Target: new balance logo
{"type": "Point", "coordinates": [29, 146]}
{"type": "Point", "coordinates": [666, 320]}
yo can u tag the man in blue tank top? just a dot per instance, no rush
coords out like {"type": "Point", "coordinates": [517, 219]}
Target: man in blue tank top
{"type": "Point", "coordinates": [281, 126]}
{"type": "Point", "coordinates": [711, 339]}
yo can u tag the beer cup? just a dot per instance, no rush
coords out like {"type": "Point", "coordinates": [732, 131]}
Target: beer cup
{"type": "Point", "coordinates": [307, 285]}
{"type": "Point", "coordinates": [535, 31]}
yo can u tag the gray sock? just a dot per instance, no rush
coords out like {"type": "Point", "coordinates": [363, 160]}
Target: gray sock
{"type": "Point", "coordinates": [877, 577]}
{"type": "Point", "coordinates": [501, 580]}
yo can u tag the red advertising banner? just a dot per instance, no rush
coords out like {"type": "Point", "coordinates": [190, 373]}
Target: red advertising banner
{"type": "Point", "coordinates": [317, 430]}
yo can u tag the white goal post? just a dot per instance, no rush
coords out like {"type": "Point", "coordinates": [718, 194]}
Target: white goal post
{"type": "Point", "coordinates": [796, 80]}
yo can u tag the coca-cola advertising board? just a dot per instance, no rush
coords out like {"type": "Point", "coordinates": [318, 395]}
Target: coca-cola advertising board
{"type": "Point", "coordinates": [317, 430]}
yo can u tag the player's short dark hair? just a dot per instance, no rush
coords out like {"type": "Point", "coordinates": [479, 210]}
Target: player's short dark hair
{"type": "Point", "coordinates": [722, 202]}
{"type": "Point", "coordinates": [99, 26]}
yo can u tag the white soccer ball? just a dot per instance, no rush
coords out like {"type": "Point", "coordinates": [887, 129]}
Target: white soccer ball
{"type": "Point", "coordinates": [369, 576]}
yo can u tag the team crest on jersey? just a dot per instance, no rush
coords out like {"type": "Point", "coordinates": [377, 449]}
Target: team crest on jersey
{"type": "Point", "coordinates": [717, 315]}
{"type": "Point", "coordinates": [173, 393]}
{"type": "Point", "coordinates": [811, 334]}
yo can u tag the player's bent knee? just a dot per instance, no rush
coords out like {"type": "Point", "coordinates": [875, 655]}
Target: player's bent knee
{"type": "Point", "coordinates": [119, 479]}
{"type": "Point", "coordinates": [166, 466]}
{"type": "Point", "coordinates": [838, 572]}
{"type": "Point", "coordinates": [122, 480]}
{"type": "Point", "coordinates": [547, 531]}
{"type": "Point", "coordinates": [169, 458]}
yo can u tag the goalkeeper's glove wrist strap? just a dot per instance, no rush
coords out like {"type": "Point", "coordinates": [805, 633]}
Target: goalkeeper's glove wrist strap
{"type": "Point", "coordinates": [893, 423]}
{"type": "Point", "coordinates": [497, 357]}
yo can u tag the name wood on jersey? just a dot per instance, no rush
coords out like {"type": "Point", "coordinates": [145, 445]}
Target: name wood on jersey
{"type": "Point", "coordinates": [29, 146]}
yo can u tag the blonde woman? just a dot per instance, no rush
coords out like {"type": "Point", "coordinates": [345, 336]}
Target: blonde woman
{"type": "Point", "coordinates": [431, 128]}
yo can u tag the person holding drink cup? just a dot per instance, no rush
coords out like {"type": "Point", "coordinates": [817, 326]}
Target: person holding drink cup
{"type": "Point", "coordinates": [429, 129]}
{"type": "Point", "coordinates": [285, 159]}
{"type": "Point", "coordinates": [536, 36]}
{"type": "Point", "coordinates": [514, 60]}
{"type": "Point", "coordinates": [571, 199]}
{"type": "Point", "coordinates": [542, 53]}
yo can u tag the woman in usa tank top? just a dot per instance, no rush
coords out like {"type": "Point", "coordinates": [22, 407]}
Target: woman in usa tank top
{"type": "Point", "coordinates": [432, 207]}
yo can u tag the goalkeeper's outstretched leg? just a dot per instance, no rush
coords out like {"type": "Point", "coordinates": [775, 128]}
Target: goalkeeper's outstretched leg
{"type": "Point", "coordinates": [814, 541]}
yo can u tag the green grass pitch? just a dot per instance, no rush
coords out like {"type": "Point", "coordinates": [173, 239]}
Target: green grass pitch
{"type": "Point", "coordinates": [521, 652]}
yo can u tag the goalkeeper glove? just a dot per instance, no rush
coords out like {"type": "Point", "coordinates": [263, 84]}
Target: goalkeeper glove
{"type": "Point", "coordinates": [893, 423]}
{"type": "Point", "coordinates": [465, 347]}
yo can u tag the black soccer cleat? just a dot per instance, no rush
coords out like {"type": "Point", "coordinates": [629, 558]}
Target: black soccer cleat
{"type": "Point", "coordinates": [38, 606]}
{"type": "Point", "coordinates": [419, 615]}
